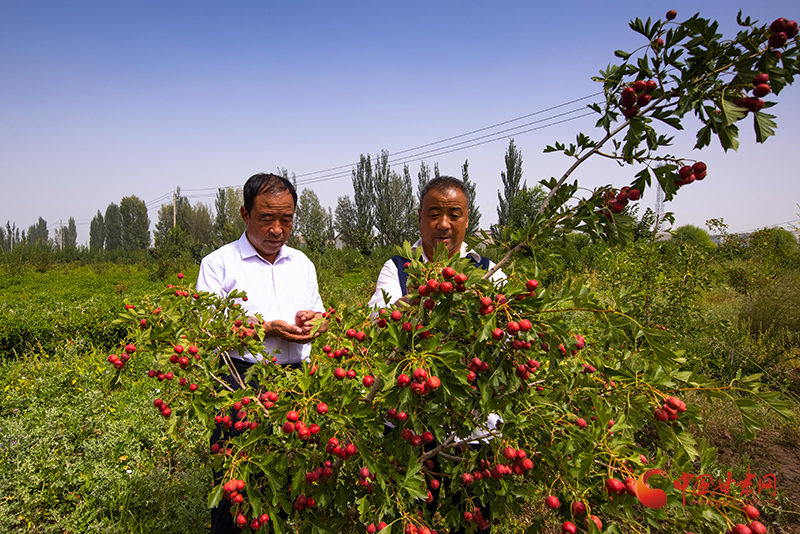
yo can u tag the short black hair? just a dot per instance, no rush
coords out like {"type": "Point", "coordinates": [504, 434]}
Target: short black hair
{"type": "Point", "coordinates": [443, 183]}
{"type": "Point", "coordinates": [266, 183]}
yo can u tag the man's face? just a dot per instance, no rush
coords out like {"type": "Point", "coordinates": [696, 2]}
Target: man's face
{"type": "Point", "coordinates": [269, 222]}
{"type": "Point", "coordinates": [443, 218]}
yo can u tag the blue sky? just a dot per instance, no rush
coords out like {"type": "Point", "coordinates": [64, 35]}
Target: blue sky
{"type": "Point", "coordinates": [101, 100]}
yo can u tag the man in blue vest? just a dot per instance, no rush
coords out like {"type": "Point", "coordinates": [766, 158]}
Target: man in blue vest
{"type": "Point", "coordinates": [443, 218]}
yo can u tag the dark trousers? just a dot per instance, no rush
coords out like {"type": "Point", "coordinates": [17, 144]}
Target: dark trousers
{"type": "Point", "coordinates": [221, 518]}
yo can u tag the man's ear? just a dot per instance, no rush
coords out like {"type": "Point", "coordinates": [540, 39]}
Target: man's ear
{"type": "Point", "coordinates": [245, 215]}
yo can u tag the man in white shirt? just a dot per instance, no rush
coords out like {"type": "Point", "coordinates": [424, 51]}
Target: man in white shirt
{"type": "Point", "coordinates": [281, 286]}
{"type": "Point", "coordinates": [280, 282]}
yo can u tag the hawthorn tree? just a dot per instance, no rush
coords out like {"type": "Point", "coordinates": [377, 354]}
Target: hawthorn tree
{"type": "Point", "coordinates": [573, 383]}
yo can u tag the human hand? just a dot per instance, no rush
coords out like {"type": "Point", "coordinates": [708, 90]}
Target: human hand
{"type": "Point", "coordinates": [288, 332]}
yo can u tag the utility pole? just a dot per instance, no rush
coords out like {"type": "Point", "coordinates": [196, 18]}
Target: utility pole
{"type": "Point", "coordinates": [174, 209]}
{"type": "Point", "coordinates": [60, 235]}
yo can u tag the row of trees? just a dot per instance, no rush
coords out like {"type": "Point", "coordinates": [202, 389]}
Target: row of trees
{"type": "Point", "coordinates": [382, 212]}
{"type": "Point", "coordinates": [124, 226]}
{"type": "Point", "coordinates": [64, 238]}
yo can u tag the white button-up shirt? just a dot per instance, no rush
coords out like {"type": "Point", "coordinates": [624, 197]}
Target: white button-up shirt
{"type": "Point", "coordinates": [274, 290]}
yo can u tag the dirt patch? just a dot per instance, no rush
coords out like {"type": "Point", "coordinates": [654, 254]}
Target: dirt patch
{"type": "Point", "coordinates": [770, 454]}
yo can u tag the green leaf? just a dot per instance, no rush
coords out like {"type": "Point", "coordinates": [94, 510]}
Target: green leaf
{"type": "Point", "coordinates": [215, 497]}
{"type": "Point", "coordinates": [764, 125]}
{"type": "Point", "coordinates": [622, 54]}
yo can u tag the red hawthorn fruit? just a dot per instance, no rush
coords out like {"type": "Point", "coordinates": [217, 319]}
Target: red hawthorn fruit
{"type": "Point", "coordinates": [435, 484]}
{"type": "Point", "coordinates": [241, 520]}
{"type": "Point", "coordinates": [651, 85]}
{"type": "Point", "coordinates": [396, 315]}
{"type": "Point", "coordinates": [403, 380]}
{"type": "Point", "coordinates": [762, 89]}
{"type": "Point", "coordinates": [402, 416]}
{"type": "Point", "coordinates": [448, 272]}
{"type": "Point", "coordinates": [531, 285]}
{"type": "Point", "coordinates": [509, 453]}
{"type": "Point", "coordinates": [322, 408]}
{"type": "Point", "coordinates": [578, 508]}
{"type": "Point", "coordinates": [596, 521]}
{"type": "Point", "coordinates": [580, 422]}
{"type": "Point", "coordinates": [351, 374]}
{"type": "Point", "coordinates": [361, 336]}
{"type": "Point", "coordinates": [633, 194]}
{"type": "Point", "coordinates": [552, 502]}
{"type": "Point", "coordinates": [339, 373]}
{"type": "Point", "coordinates": [630, 112]}
{"type": "Point", "coordinates": [639, 86]}
{"type": "Point", "coordinates": [776, 40]}
{"type": "Point", "coordinates": [628, 93]}
{"type": "Point", "coordinates": [661, 415]}
{"type": "Point", "coordinates": [423, 291]}
{"type": "Point", "coordinates": [371, 528]}
{"type": "Point", "coordinates": [485, 302]}
{"type": "Point", "coordinates": [429, 304]}
{"type": "Point", "coordinates": [291, 415]}
{"type": "Point", "coordinates": [288, 427]}
{"type": "Point", "coordinates": [406, 327]}
{"type": "Point", "coordinates": [381, 525]}
{"type": "Point", "coordinates": [381, 323]}
{"type": "Point", "coordinates": [433, 383]}
{"type": "Point", "coordinates": [615, 486]}
{"type": "Point", "coordinates": [420, 374]}
{"type": "Point", "coordinates": [432, 284]}
{"type": "Point", "coordinates": [166, 411]}
{"type": "Point", "coordinates": [487, 310]}
{"type": "Point", "coordinates": [751, 511]}
{"type": "Point", "coordinates": [351, 449]}
{"type": "Point", "coordinates": [368, 380]}
{"type": "Point", "coordinates": [525, 325]}
{"type": "Point", "coordinates": [741, 529]}
{"type": "Point", "coordinates": [466, 478]}
{"type": "Point", "coordinates": [513, 327]}
{"type": "Point", "coordinates": [756, 527]}
{"type": "Point", "coordinates": [461, 279]}
{"type": "Point", "coordinates": [497, 334]}
{"type": "Point", "coordinates": [351, 333]}
{"type": "Point", "coordinates": [501, 299]}
{"type": "Point", "coordinates": [791, 29]}
{"type": "Point", "coordinates": [568, 527]}
{"type": "Point", "coordinates": [761, 78]}
{"type": "Point", "coordinates": [407, 434]}
{"type": "Point", "coordinates": [130, 348]}
{"type": "Point", "coordinates": [699, 167]}
{"type": "Point", "coordinates": [671, 14]}
{"type": "Point", "coordinates": [427, 436]}
{"type": "Point", "coordinates": [445, 287]}
{"type": "Point", "coordinates": [630, 486]}
{"type": "Point", "coordinates": [778, 25]}
{"type": "Point", "coordinates": [643, 100]}
{"type": "Point", "coordinates": [130, 307]}
{"type": "Point", "coordinates": [673, 402]}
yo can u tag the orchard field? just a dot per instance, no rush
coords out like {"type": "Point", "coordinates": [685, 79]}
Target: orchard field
{"type": "Point", "coordinates": [605, 354]}
{"type": "Point", "coordinates": [80, 456]}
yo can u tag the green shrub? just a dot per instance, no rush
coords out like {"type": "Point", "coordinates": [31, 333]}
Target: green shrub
{"type": "Point", "coordinates": [775, 307]}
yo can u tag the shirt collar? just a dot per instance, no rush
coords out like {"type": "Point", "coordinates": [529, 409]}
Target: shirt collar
{"type": "Point", "coordinates": [247, 250]}
{"type": "Point", "coordinates": [464, 252]}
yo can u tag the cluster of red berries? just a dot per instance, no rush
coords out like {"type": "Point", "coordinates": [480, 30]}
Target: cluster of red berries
{"type": "Point", "coordinates": [162, 406]}
{"type": "Point", "coordinates": [476, 517]}
{"type": "Point", "coordinates": [415, 440]}
{"type": "Point", "coordinates": [421, 382]}
{"type": "Point", "coordinates": [268, 399]}
{"type": "Point", "coordinates": [294, 424]}
{"type": "Point", "coordinates": [524, 370]}
{"type": "Point", "coordinates": [356, 334]}
{"type": "Point", "coordinates": [754, 527]}
{"type": "Point", "coordinates": [782, 30]}
{"type": "Point", "coordinates": [119, 361]}
{"type": "Point", "coordinates": [372, 528]}
{"type": "Point", "coordinates": [689, 173]}
{"type": "Point", "coordinates": [669, 410]}
{"type": "Point", "coordinates": [433, 286]}
{"type": "Point", "coordinates": [344, 453]}
{"type": "Point", "coordinates": [760, 88]}
{"type": "Point", "coordinates": [518, 464]}
{"type": "Point", "coordinates": [320, 472]}
{"type": "Point", "coordinates": [476, 365]}
{"type": "Point", "coordinates": [615, 486]}
{"type": "Point", "coordinates": [636, 96]}
{"type": "Point", "coordinates": [615, 202]}
{"type": "Point", "coordinates": [303, 501]}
